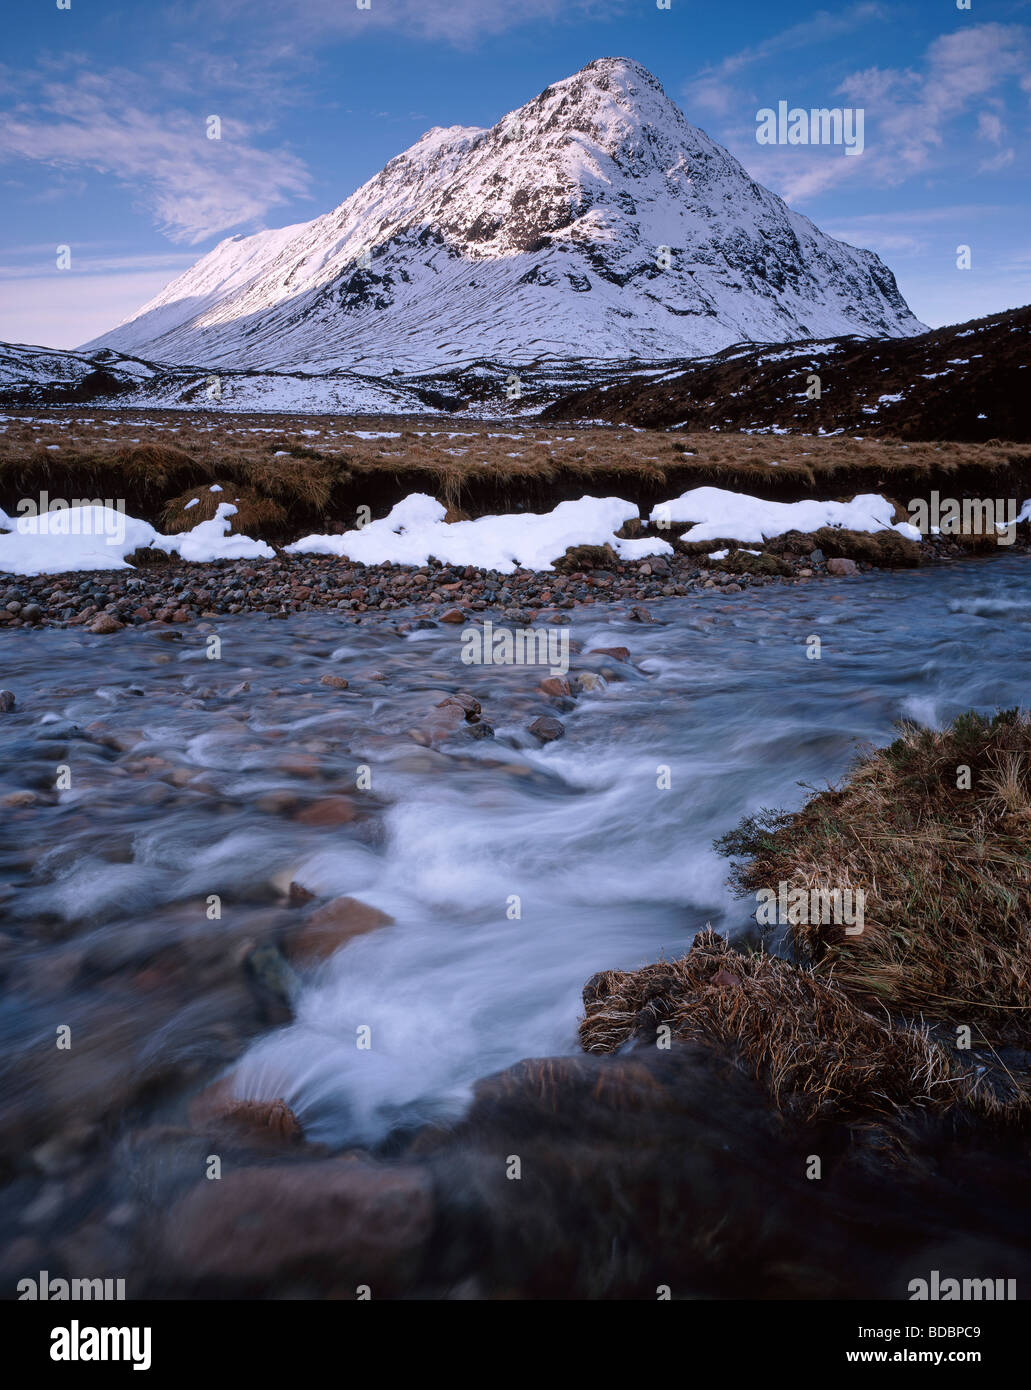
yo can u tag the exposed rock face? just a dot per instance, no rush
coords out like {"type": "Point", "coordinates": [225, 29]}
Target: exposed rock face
{"type": "Point", "coordinates": [593, 215]}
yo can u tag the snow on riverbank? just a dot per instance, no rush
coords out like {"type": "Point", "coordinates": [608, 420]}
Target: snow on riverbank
{"type": "Point", "coordinates": [99, 538]}
{"type": "Point", "coordinates": [722, 515]}
{"type": "Point", "coordinates": [416, 529]}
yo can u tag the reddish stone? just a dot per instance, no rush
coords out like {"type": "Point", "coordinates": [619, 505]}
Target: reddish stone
{"type": "Point", "coordinates": [331, 927]}
{"type": "Point", "coordinates": [332, 810]}
{"type": "Point", "coordinates": [104, 624]}
{"type": "Point", "coordinates": [363, 1224]}
{"type": "Point", "coordinates": [842, 567]}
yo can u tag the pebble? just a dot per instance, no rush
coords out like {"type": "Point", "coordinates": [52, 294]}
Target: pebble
{"type": "Point", "coordinates": [172, 595]}
{"type": "Point", "coordinates": [104, 624]}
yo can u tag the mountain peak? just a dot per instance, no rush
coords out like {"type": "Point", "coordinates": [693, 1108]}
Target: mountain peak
{"type": "Point", "coordinates": [592, 221]}
{"type": "Point", "coordinates": [603, 72]}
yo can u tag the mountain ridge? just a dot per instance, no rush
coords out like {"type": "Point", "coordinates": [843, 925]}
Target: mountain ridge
{"type": "Point", "coordinates": [528, 239]}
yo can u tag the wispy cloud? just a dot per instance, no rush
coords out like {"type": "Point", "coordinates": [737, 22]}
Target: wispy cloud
{"type": "Point", "coordinates": [910, 231]}
{"type": "Point", "coordinates": [914, 110]}
{"type": "Point", "coordinates": [917, 118]}
{"type": "Point", "coordinates": [192, 186]}
{"type": "Point", "coordinates": [458, 22]}
{"type": "Point", "coordinates": [713, 89]}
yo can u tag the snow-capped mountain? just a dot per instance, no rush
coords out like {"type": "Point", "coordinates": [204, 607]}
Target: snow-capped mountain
{"type": "Point", "coordinates": [594, 221]}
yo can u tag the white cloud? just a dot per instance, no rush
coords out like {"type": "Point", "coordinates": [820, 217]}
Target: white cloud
{"type": "Point", "coordinates": [193, 187]}
{"type": "Point", "coordinates": [990, 127]}
{"type": "Point", "coordinates": [1002, 160]}
{"type": "Point", "coordinates": [913, 111]}
{"type": "Point", "coordinates": [910, 117]}
{"type": "Point", "coordinates": [711, 89]}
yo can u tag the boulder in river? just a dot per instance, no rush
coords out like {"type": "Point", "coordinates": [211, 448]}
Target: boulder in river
{"type": "Point", "coordinates": [332, 926]}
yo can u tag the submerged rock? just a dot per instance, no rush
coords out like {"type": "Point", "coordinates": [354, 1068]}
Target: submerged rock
{"type": "Point", "coordinates": [332, 926]}
{"type": "Point", "coordinates": [547, 729]}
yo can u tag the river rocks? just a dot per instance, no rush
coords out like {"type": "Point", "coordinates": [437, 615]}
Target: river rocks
{"type": "Point", "coordinates": [554, 685]}
{"type": "Point", "coordinates": [338, 1220]}
{"type": "Point", "coordinates": [330, 811]}
{"type": "Point", "coordinates": [588, 681]}
{"type": "Point", "coordinates": [547, 729]}
{"type": "Point", "coordinates": [616, 653]}
{"type": "Point", "coordinates": [104, 625]}
{"type": "Point", "coordinates": [7, 701]}
{"type": "Point", "coordinates": [272, 982]}
{"type": "Point", "coordinates": [843, 567]}
{"type": "Point", "coordinates": [331, 927]}
{"type": "Point", "coordinates": [440, 723]}
{"type": "Point", "coordinates": [175, 593]}
{"type": "Point", "coordinates": [334, 682]}
{"type": "Point", "coordinates": [261, 1124]}
{"type": "Point", "coordinates": [18, 799]}
{"type": "Point", "coordinates": [467, 703]}
{"type": "Point", "coordinates": [61, 1154]}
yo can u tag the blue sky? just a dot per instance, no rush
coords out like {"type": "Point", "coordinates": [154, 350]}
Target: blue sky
{"type": "Point", "coordinates": [103, 111]}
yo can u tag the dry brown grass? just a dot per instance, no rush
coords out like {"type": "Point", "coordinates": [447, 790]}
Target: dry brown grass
{"type": "Point", "coordinates": [255, 512]}
{"type": "Point", "coordinates": [320, 470]}
{"type": "Point", "coordinates": [946, 870]}
{"type": "Point", "coordinates": [818, 1053]}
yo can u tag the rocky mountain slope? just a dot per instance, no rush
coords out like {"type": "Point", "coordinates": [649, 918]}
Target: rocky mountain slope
{"type": "Point", "coordinates": [963, 382]}
{"type": "Point", "coordinates": [593, 220]}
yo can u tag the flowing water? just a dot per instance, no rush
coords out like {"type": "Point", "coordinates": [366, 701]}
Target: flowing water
{"type": "Point", "coordinates": [512, 871]}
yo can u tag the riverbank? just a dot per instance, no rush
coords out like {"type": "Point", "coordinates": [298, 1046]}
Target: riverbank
{"type": "Point", "coordinates": [380, 862]}
{"type": "Point", "coordinates": [166, 591]}
{"type": "Point", "coordinates": [294, 474]}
